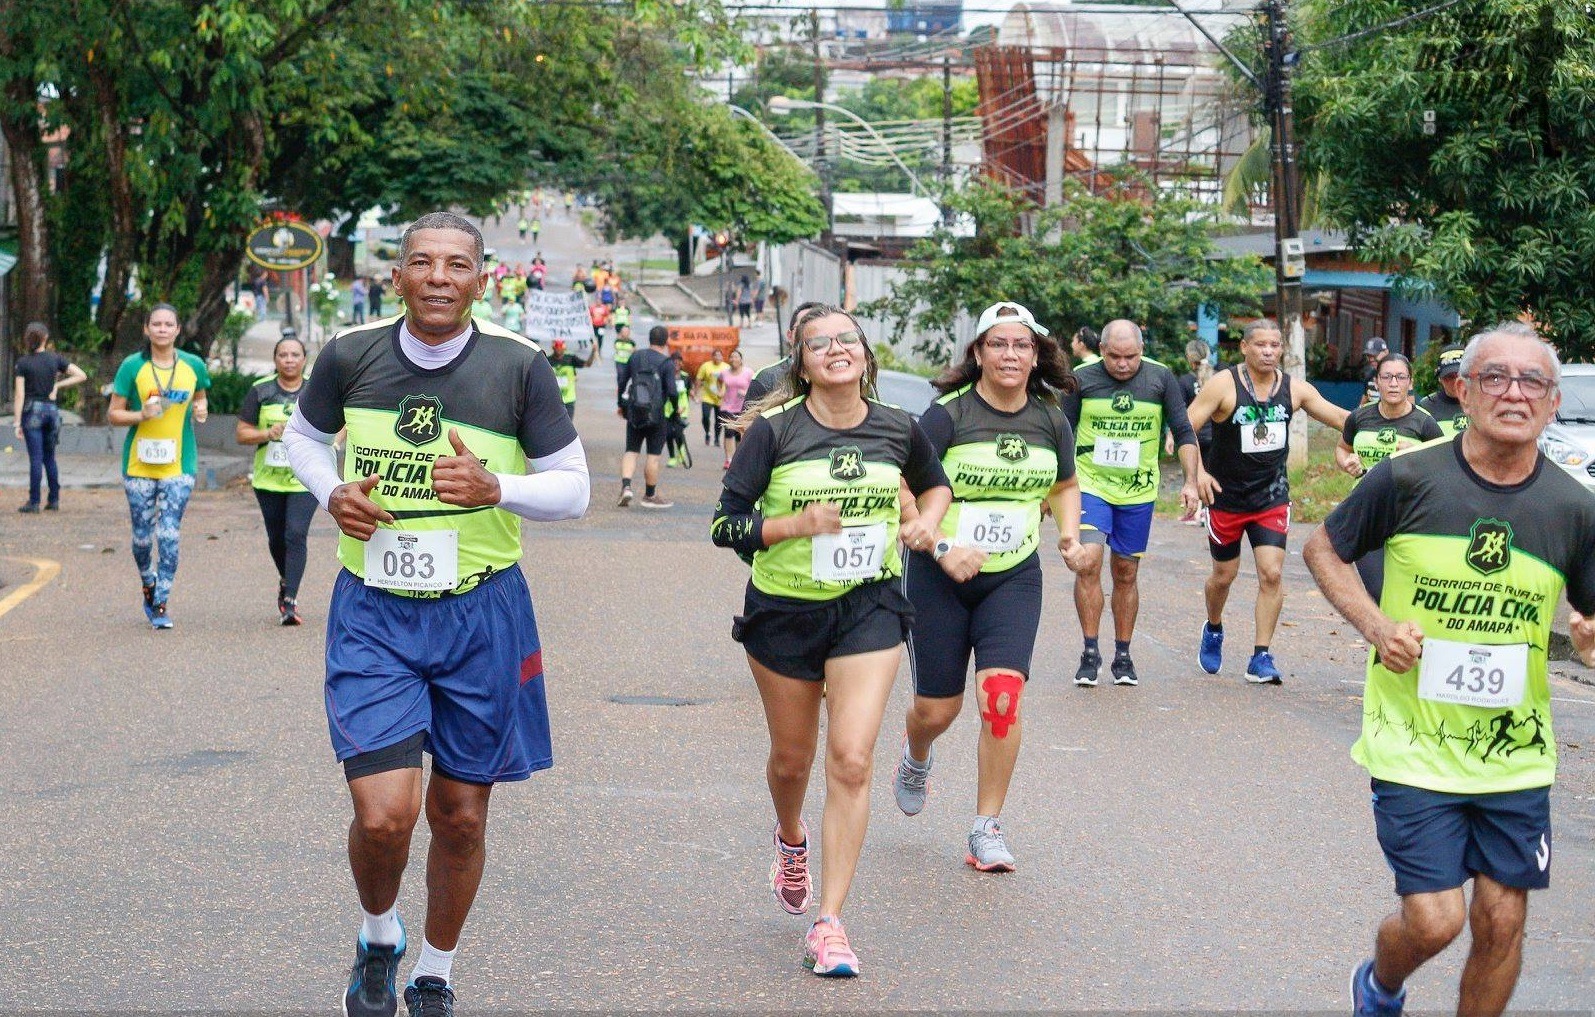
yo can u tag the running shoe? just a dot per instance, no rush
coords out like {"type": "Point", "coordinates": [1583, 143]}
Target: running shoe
{"type": "Point", "coordinates": [159, 618]}
{"type": "Point", "coordinates": [1368, 1000]}
{"type": "Point", "coordinates": [988, 849]}
{"type": "Point", "coordinates": [1090, 664]}
{"type": "Point", "coordinates": [789, 873]}
{"type": "Point", "coordinates": [149, 604]}
{"type": "Point", "coordinates": [1123, 670]}
{"type": "Point", "coordinates": [1261, 670]}
{"type": "Point", "coordinates": [1211, 655]}
{"type": "Point", "coordinates": [373, 979]}
{"type": "Point", "coordinates": [290, 612]}
{"type": "Point", "coordinates": [908, 784]}
{"type": "Point", "coordinates": [52, 506]}
{"type": "Point", "coordinates": [653, 501]}
{"type": "Point", "coordinates": [29, 509]}
{"type": "Point", "coordinates": [625, 497]}
{"type": "Point", "coordinates": [429, 996]}
{"type": "Point", "coordinates": [826, 951]}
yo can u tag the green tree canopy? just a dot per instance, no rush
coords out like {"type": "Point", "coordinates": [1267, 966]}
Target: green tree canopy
{"type": "Point", "coordinates": [1494, 209]}
{"type": "Point", "coordinates": [1085, 261]}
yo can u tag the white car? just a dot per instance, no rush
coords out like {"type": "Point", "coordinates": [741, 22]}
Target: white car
{"type": "Point", "coordinates": [1569, 440]}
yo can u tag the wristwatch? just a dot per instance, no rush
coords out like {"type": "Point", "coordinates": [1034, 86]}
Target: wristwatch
{"type": "Point", "coordinates": [940, 550]}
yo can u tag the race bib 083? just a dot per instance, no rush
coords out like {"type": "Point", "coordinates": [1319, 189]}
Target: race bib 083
{"type": "Point", "coordinates": [413, 559]}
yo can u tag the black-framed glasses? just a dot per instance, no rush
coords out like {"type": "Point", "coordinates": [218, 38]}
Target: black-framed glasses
{"type": "Point", "coordinates": [821, 343]}
{"type": "Point", "coordinates": [1495, 383]}
{"type": "Point", "coordinates": [1395, 377]}
{"type": "Point", "coordinates": [1019, 346]}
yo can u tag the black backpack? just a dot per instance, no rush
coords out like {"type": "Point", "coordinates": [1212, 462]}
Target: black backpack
{"type": "Point", "coordinates": [645, 397]}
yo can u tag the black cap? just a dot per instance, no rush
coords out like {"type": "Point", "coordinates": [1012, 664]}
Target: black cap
{"type": "Point", "coordinates": [1375, 346]}
{"type": "Point", "coordinates": [1450, 361]}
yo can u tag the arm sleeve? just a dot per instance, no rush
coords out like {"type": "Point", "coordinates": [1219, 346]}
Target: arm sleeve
{"type": "Point", "coordinates": [249, 412]}
{"type": "Point", "coordinates": [545, 427]}
{"type": "Point", "coordinates": [937, 424]}
{"type": "Point", "coordinates": [923, 470]}
{"type": "Point", "coordinates": [321, 401]}
{"type": "Point", "coordinates": [1065, 445]}
{"type": "Point", "coordinates": [311, 456]}
{"type": "Point", "coordinates": [1174, 416]}
{"type": "Point", "coordinates": [1368, 517]}
{"type": "Point", "coordinates": [738, 523]}
{"type": "Point", "coordinates": [558, 490]}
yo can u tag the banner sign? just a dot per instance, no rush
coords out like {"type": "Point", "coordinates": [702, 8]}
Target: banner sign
{"type": "Point", "coordinates": [559, 314]}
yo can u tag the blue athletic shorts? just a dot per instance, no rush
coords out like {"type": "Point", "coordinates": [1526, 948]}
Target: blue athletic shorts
{"type": "Point", "coordinates": [1126, 529]}
{"type": "Point", "coordinates": [466, 670]}
{"type": "Point", "coordinates": [1435, 841]}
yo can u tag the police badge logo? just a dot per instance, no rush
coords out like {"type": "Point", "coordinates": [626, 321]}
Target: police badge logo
{"type": "Point", "coordinates": [1011, 448]}
{"type": "Point", "coordinates": [1123, 402]}
{"type": "Point", "coordinates": [1386, 436]}
{"type": "Point", "coordinates": [1490, 549]}
{"type": "Point", "coordinates": [420, 419]}
{"type": "Point", "coordinates": [847, 463]}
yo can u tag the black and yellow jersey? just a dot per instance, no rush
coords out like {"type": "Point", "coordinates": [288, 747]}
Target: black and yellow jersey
{"type": "Point", "coordinates": [787, 461]}
{"type": "Point", "coordinates": [1118, 429]}
{"type": "Point", "coordinates": [1001, 466]}
{"type": "Point", "coordinates": [1480, 568]}
{"type": "Point", "coordinates": [1376, 437]}
{"type": "Point", "coordinates": [1447, 412]}
{"type": "Point", "coordinates": [266, 405]}
{"type": "Point", "coordinates": [500, 393]}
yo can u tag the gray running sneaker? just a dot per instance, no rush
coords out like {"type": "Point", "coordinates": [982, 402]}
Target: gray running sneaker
{"type": "Point", "coordinates": [908, 784]}
{"type": "Point", "coordinates": [988, 849]}
{"type": "Point", "coordinates": [1090, 664]}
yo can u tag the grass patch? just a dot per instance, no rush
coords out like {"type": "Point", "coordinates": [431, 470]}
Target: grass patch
{"type": "Point", "coordinates": [657, 265]}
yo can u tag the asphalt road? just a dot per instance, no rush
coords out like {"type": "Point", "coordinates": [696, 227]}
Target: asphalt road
{"type": "Point", "coordinates": [173, 820]}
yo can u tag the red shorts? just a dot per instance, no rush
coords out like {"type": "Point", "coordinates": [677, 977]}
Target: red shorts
{"type": "Point", "coordinates": [1265, 529]}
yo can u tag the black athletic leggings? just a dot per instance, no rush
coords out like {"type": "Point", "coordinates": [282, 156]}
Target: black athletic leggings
{"type": "Point", "coordinates": [287, 515]}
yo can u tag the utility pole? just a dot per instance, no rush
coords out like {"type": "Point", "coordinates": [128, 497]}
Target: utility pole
{"type": "Point", "coordinates": [1286, 191]}
{"type": "Point", "coordinates": [821, 164]}
{"type": "Point", "coordinates": [946, 137]}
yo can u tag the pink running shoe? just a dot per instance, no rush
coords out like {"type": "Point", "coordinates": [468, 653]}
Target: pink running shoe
{"type": "Point", "coordinates": [826, 951]}
{"type": "Point", "coordinates": [789, 873]}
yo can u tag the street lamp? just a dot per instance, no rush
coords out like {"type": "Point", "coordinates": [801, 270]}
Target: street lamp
{"type": "Point", "coordinates": [781, 105]}
{"type": "Point", "coordinates": [744, 114]}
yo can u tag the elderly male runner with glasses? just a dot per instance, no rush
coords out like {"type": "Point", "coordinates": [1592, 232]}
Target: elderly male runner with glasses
{"type": "Point", "coordinates": [1481, 535]}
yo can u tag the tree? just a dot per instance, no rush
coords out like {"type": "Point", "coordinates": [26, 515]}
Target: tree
{"type": "Point", "coordinates": [1492, 210]}
{"type": "Point", "coordinates": [1132, 252]}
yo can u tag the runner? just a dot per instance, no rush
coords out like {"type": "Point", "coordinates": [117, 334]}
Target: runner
{"type": "Point", "coordinates": [285, 505]}
{"type": "Point", "coordinates": [158, 395]}
{"type": "Point", "coordinates": [1375, 432]}
{"type": "Point", "coordinates": [625, 346]}
{"type": "Point", "coordinates": [565, 366]}
{"type": "Point", "coordinates": [1480, 536]}
{"type": "Point", "coordinates": [1443, 405]}
{"type": "Point", "coordinates": [1086, 346]}
{"type": "Point", "coordinates": [1123, 403]}
{"type": "Point", "coordinates": [647, 386]}
{"type": "Point", "coordinates": [678, 412]}
{"type": "Point", "coordinates": [709, 389]}
{"type": "Point", "coordinates": [734, 382]}
{"type": "Point", "coordinates": [770, 376]}
{"type": "Point", "coordinates": [824, 617]}
{"type": "Point", "coordinates": [432, 643]}
{"type": "Point", "coordinates": [41, 375]}
{"type": "Point", "coordinates": [1199, 370]}
{"type": "Point", "coordinates": [1246, 488]}
{"type": "Point", "coordinates": [1008, 448]}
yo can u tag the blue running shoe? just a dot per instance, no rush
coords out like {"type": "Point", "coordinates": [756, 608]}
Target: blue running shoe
{"type": "Point", "coordinates": [373, 980]}
{"type": "Point", "coordinates": [1368, 1000]}
{"type": "Point", "coordinates": [149, 604]}
{"type": "Point", "coordinates": [159, 619]}
{"type": "Point", "coordinates": [429, 996]}
{"type": "Point", "coordinates": [1260, 670]}
{"type": "Point", "coordinates": [1211, 655]}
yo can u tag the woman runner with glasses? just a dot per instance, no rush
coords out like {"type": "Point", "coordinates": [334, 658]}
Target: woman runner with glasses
{"type": "Point", "coordinates": [1375, 432]}
{"type": "Point", "coordinates": [1009, 448]}
{"type": "Point", "coordinates": [812, 500]}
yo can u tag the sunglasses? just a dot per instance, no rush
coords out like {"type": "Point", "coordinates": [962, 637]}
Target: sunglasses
{"type": "Point", "coordinates": [821, 343]}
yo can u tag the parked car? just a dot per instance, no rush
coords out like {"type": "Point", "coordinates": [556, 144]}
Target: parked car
{"type": "Point", "coordinates": [1569, 440]}
{"type": "Point", "coordinates": [910, 391]}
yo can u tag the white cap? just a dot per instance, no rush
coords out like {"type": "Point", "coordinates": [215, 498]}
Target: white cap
{"type": "Point", "coordinates": [1015, 312]}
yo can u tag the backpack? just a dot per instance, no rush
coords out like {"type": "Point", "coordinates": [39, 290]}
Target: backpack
{"type": "Point", "coordinates": [645, 397]}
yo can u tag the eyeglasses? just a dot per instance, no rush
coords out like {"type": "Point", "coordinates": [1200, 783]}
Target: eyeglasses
{"type": "Point", "coordinates": [821, 343]}
{"type": "Point", "coordinates": [1020, 346]}
{"type": "Point", "coordinates": [1395, 377]}
{"type": "Point", "coordinates": [1495, 383]}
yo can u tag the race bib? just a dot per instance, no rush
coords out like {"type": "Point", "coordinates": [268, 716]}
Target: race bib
{"type": "Point", "coordinates": [1121, 452]}
{"type": "Point", "coordinates": [157, 451]}
{"type": "Point", "coordinates": [855, 553]}
{"type": "Point", "coordinates": [1263, 436]}
{"type": "Point", "coordinates": [276, 454]}
{"type": "Point", "coordinates": [1492, 676]}
{"type": "Point", "coordinates": [413, 559]}
{"type": "Point", "coordinates": [991, 530]}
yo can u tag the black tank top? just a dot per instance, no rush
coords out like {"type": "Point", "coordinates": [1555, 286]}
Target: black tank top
{"type": "Point", "coordinates": [1252, 480]}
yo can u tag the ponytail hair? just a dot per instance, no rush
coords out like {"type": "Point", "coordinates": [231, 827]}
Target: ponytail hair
{"type": "Point", "coordinates": [35, 336]}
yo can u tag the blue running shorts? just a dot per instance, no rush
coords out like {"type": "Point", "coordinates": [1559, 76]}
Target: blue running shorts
{"type": "Point", "coordinates": [1436, 841]}
{"type": "Point", "coordinates": [1126, 529]}
{"type": "Point", "coordinates": [467, 670]}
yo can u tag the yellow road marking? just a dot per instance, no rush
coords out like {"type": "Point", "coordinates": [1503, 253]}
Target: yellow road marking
{"type": "Point", "coordinates": [44, 571]}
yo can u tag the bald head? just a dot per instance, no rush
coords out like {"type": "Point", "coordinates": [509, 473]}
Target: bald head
{"type": "Point", "coordinates": [1121, 349]}
{"type": "Point", "coordinates": [1122, 330]}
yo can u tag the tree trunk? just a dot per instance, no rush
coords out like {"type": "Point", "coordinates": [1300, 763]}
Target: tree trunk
{"type": "Point", "coordinates": [119, 258]}
{"type": "Point", "coordinates": [35, 283]}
